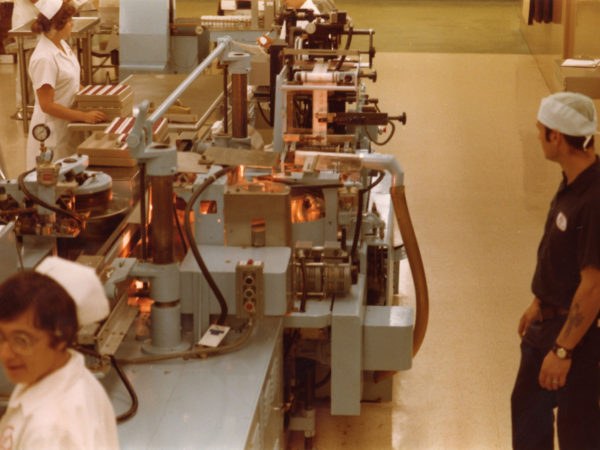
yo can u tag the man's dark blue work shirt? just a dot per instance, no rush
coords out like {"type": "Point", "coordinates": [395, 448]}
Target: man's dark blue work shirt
{"type": "Point", "coordinates": [571, 239]}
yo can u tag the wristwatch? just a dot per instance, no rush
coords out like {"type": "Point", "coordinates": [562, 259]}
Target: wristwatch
{"type": "Point", "coordinates": [561, 352]}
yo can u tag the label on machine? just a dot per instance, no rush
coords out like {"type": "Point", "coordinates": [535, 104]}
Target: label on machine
{"type": "Point", "coordinates": [214, 335]}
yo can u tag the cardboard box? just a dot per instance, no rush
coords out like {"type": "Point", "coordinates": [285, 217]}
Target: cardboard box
{"type": "Point", "coordinates": [112, 100]}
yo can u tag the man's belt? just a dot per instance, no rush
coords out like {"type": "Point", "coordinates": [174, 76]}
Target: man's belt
{"type": "Point", "coordinates": [551, 311]}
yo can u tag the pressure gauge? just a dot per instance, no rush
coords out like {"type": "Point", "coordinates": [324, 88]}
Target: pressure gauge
{"type": "Point", "coordinates": [41, 132]}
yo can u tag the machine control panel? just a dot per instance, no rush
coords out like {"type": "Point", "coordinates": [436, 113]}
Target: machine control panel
{"type": "Point", "coordinates": [249, 288]}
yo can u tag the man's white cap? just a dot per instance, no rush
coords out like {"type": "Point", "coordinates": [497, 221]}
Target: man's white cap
{"type": "Point", "coordinates": [570, 113]}
{"type": "Point", "coordinates": [49, 7]}
{"type": "Point", "coordinates": [82, 284]}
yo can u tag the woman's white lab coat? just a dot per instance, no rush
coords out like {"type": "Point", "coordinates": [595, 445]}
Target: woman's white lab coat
{"type": "Point", "coordinates": [67, 409]}
{"type": "Point", "coordinates": [61, 70]}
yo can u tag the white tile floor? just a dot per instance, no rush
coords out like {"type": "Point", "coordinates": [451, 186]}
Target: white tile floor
{"type": "Point", "coordinates": [478, 188]}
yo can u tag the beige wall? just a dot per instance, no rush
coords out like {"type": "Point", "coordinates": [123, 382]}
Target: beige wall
{"type": "Point", "coordinates": [576, 33]}
{"type": "Point", "coordinates": [587, 29]}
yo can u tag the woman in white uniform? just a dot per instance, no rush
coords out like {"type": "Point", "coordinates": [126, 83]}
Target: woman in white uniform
{"type": "Point", "coordinates": [57, 402]}
{"type": "Point", "coordinates": [55, 75]}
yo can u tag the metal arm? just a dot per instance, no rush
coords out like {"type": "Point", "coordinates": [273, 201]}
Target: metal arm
{"type": "Point", "coordinates": [140, 138]}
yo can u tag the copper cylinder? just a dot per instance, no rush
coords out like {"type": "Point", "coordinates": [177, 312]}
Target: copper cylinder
{"type": "Point", "coordinates": [161, 234]}
{"type": "Point", "coordinates": [239, 100]}
{"type": "Point", "coordinates": [225, 99]}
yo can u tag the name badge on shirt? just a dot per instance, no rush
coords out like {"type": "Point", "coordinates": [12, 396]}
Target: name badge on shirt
{"type": "Point", "coordinates": [561, 222]}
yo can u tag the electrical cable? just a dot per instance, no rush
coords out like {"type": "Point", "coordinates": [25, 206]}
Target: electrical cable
{"type": "Point", "coordinates": [374, 141]}
{"type": "Point", "coordinates": [324, 381]}
{"type": "Point", "coordinates": [307, 115]}
{"type": "Point", "coordinates": [304, 284]}
{"type": "Point", "coordinates": [314, 188]}
{"type": "Point", "coordinates": [262, 113]}
{"type": "Point", "coordinates": [143, 216]}
{"type": "Point", "coordinates": [348, 41]}
{"type": "Point", "coordinates": [132, 394]}
{"type": "Point", "coordinates": [39, 201]}
{"type": "Point", "coordinates": [359, 214]}
{"type": "Point", "coordinates": [298, 112]}
{"type": "Point", "coordinates": [195, 353]}
{"type": "Point", "coordinates": [134, 399]}
{"type": "Point", "coordinates": [19, 248]}
{"type": "Point", "coordinates": [179, 230]}
{"type": "Point", "coordinates": [194, 247]}
{"type": "Point", "coordinates": [357, 226]}
{"type": "Point", "coordinates": [17, 211]}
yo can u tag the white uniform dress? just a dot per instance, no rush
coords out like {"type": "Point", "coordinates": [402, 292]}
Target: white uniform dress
{"type": "Point", "coordinates": [68, 409]}
{"type": "Point", "coordinates": [61, 70]}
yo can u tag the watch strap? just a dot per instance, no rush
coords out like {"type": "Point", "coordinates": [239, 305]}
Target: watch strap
{"type": "Point", "coordinates": [562, 352]}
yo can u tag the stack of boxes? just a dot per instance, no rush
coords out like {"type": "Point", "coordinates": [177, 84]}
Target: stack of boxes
{"type": "Point", "coordinates": [112, 100]}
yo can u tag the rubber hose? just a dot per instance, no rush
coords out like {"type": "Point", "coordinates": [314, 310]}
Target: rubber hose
{"type": "Point", "coordinates": [39, 201]}
{"type": "Point", "coordinates": [418, 273]}
{"type": "Point", "coordinates": [194, 248]}
{"type": "Point", "coordinates": [416, 265]}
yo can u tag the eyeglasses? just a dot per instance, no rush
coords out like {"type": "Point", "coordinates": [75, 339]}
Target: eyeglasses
{"type": "Point", "coordinates": [20, 342]}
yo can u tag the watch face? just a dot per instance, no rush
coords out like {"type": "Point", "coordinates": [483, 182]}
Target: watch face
{"type": "Point", "coordinates": [40, 132]}
{"type": "Point", "coordinates": [561, 353]}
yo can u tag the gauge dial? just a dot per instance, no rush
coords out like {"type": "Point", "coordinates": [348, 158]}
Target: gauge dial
{"type": "Point", "coordinates": [41, 132]}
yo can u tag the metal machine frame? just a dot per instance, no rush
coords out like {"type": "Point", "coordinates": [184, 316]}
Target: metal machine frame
{"type": "Point", "coordinates": [292, 263]}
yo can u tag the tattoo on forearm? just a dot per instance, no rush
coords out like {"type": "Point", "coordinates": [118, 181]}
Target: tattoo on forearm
{"type": "Point", "coordinates": [574, 320]}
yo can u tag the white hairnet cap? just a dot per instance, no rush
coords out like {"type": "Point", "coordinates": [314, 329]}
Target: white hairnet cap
{"type": "Point", "coordinates": [570, 113]}
{"type": "Point", "coordinates": [82, 284]}
{"type": "Point", "coordinates": [49, 7]}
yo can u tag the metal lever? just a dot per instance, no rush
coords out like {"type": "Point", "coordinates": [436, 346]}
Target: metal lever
{"type": "Point", "coordinates": [401, 118]}
{"type": "Point", "coordinates": [134, 139]}
{"type": "Point", "coordinates": [371, 76]}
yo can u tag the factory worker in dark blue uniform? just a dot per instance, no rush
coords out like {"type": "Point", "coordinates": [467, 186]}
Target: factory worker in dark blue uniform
{"type": "Point", "coordinates": [560, 347]}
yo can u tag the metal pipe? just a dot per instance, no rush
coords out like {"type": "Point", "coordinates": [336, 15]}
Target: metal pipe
{"type": "Point", "coordinates": [239, 99]}
{"type": "Point", "coordinates": [326, 77]}
{"type": "Point", "coordinates": [569, 30]}
{"type": "Point", "coordinates": [23, 74]}
{"type": "Point", "coordinates": [161, 234]}
{"type": "Point", "coordinates": [254, 14]}
{"type": "Point", "coordinates": [143, 216]}
{"type": "Point", "coordinates": [225, 99]}
{"type": "Point", "coordinates": [317, 87]}
{"type": "Point", "coordinates": [171, 99]}
{"type": "Point", "coordinates": [381, 162]}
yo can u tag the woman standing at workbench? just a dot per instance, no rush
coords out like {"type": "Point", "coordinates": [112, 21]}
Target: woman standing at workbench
{"type": "Point", "coordinates": [55, 76]}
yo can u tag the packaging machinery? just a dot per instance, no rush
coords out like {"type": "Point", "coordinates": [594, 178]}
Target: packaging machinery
{"type": "Point", "coordinates": [279, 287]}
